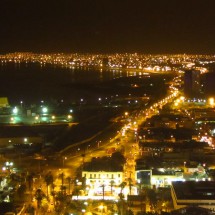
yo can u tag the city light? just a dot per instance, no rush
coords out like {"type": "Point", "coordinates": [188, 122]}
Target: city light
{"type": "Point", "coordinates": [211, 101]}
{"type": "Point", "coordinates": [150, 129]}
{"type": "Point", "coordinates": [69, 116]}
{"type": "Point", "coordinates": [44, 110]}
{"type": "Point", "coordinates": [15, 111]}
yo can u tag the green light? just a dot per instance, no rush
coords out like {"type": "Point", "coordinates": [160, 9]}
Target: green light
{"type": "Point", "coordinates": [44, 109]}
{"type": "Point", "coordinates": [15, 110]}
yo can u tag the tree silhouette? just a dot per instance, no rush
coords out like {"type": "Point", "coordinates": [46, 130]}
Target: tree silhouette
{"type": "Point", "coordinates": [63, 189]}
{"type": "Point", "coordinates": [39, 195]}
{"type": "Point", "coordinates": [103, 191]}
{"type": "Point", "coordinates": [69, 179]}
{"type": "Point", "coordinates": [130, 185]}
{"type": "Point", "coordinates": [152, 197]}
{"type": "Point", "coordinates": [76, 191]}
{"type": "Point", "coordinates": [61, 176]}
{"type": "Point", "coordinates": [112, 182]}
{"type": "Point", "coordinates": [49, 181]}
{"type": "Point", "coordinates": [122, 186]}
{"type": "Point", "coordinates": [129, 212]}
{"type": "Point", "coordinates": [53, 194]}
{"type": "Point", "coordinates": [60, 201]}
{"type": "Point", "coordinates": [29, 179]}
{"type": "Point", "coordinates": [117, 159]}
{"type": "Point", "coordinates": [21, 190]}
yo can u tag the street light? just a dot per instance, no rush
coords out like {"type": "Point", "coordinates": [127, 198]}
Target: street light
{"type": "Point", "coordinates": [64, 158]}
{"type": "Point", "coordinates": [69, 116]}
{"type": "Point", "coordinates": [101, 208]}
{"type": "Point", "coordinates": [87, 148]}
{"type": "Point", "coordinates": [99, 143]}
{"type": "Point", "coordinates": [15, 111]}
{"type": "Point", "coordinates": [78, 150]}
{"type": "Point", "coordinates": [44, 110]}
{"type": "Point", "coordinates": [211, 101]}
{"type": "Point", "coordinates": [8, 166]}
{"type": "Point", "coordinates": [185, 165]}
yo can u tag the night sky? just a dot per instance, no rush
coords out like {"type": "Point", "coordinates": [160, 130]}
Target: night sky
{"type": "Point", "coordinates": [108, 26]}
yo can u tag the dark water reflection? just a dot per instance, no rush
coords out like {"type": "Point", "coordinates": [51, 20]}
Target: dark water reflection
{"type": "Point", "coordinates": [32, 81]}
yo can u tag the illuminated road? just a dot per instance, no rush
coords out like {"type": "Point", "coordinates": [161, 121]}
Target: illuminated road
{"type": "Point", "coordinates": [126, 138]}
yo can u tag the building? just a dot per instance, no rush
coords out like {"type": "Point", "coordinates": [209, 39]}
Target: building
{"type": "Point", "coordinates": [18, 135]}
{"type": "Point", "coordinates": [192, 193]}
{"type": "Point", "coordinates": [192, 86]}
{"type": "Point", "coordinates": [3, 102]}
{"type": "Point", "coordinates": [137, 203]}
{"type": "Point", "coordinates": [209, 86]}
{"type": "Point", "coordinates": [158, 177]}
{"type": "Point", "coordinates": [192, 211]}
{"type": "Point", "coordinates": [103, 182]}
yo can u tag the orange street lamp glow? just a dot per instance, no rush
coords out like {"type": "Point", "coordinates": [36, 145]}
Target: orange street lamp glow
{"type": "Point", "coordinates": [211, 101]}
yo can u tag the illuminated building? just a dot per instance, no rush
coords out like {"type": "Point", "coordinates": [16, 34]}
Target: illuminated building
{"type": "Point", "coordinates": [102, 182]}
{"type": "Point", "coordinates": [192, 83]}
{"type": "Point", "coordinates": [158, 178]}
{"type": "Point", "coordinates": [3, 102]}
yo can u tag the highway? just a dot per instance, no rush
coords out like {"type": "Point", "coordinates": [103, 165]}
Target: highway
{"type": "Point", "coordinates": [126, 138]}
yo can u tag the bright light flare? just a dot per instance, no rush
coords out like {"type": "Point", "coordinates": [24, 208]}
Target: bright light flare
{"type": "Point", "coordinates": [211, 101]}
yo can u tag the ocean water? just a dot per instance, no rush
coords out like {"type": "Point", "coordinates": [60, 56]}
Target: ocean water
{"type": "Point", "coordinates": [118, 90]}
{"type": "Point", "coordinates": [31, 81]}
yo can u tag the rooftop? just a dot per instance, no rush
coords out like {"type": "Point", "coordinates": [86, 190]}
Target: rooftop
{"type": "Point", "coordinates": [192, 190]}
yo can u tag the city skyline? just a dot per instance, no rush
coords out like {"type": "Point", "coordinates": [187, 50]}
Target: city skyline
{"type": "Point", "coordinates": [154, 27]}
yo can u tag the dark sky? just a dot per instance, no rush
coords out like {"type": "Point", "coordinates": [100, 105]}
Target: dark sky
{"type": "Point", "coordinates": [107, 26]}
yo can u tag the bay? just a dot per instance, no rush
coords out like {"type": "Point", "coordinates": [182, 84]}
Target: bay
{"type": "Point", "coordinates": [33, 81]}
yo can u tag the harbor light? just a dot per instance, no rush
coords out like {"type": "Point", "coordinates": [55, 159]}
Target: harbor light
{"type": "Point", "coordinates": [45, 110]}
{"type": "Point", "coordinates": [15, 111]}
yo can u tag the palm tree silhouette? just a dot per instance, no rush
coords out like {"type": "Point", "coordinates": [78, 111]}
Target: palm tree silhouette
{"type": "Point", "coordinates": [112, 182]}
{"type": "Point", "coordinates": [49, 181]}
